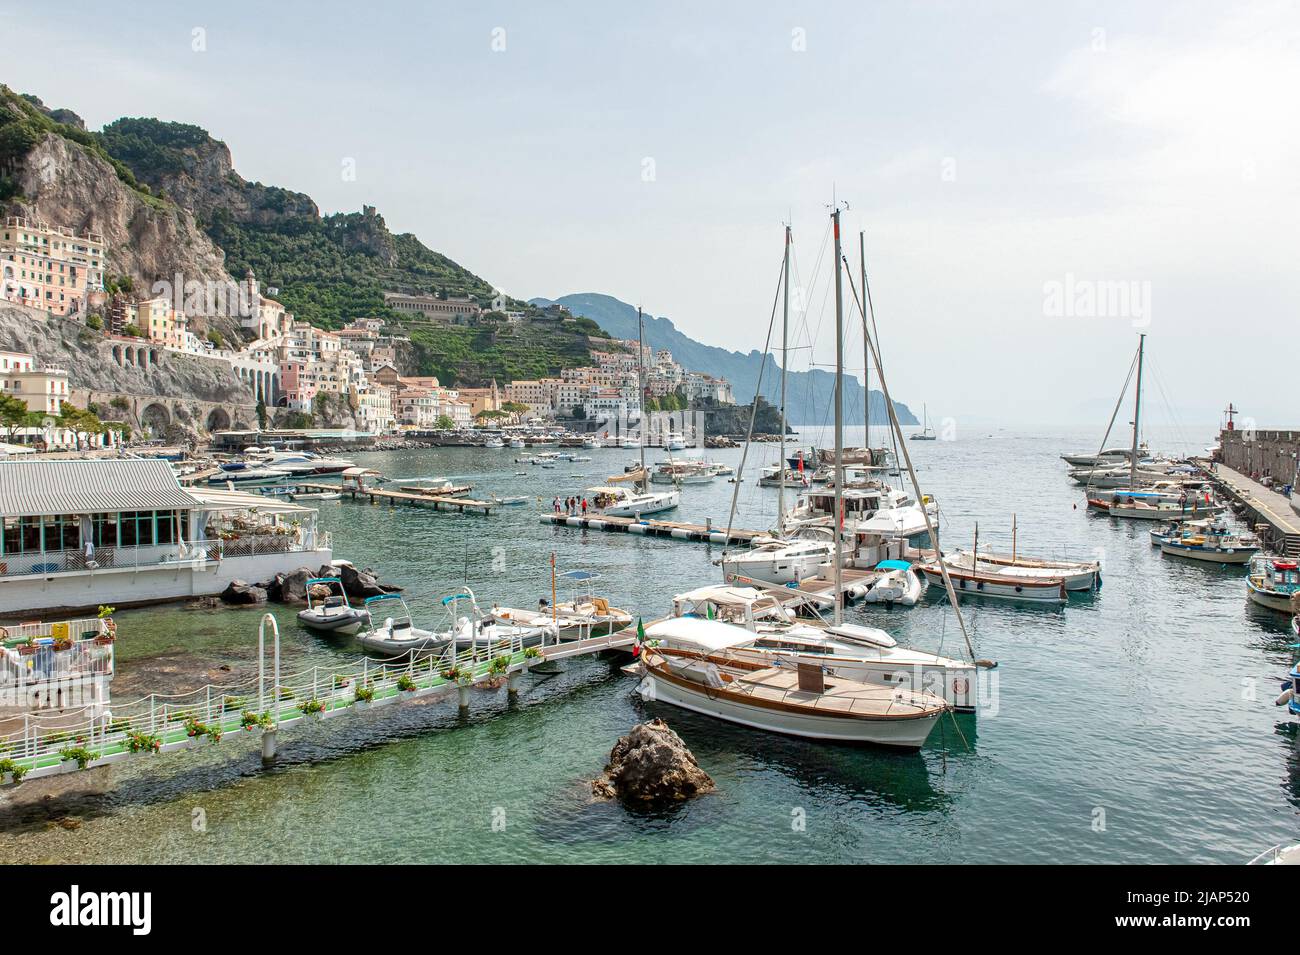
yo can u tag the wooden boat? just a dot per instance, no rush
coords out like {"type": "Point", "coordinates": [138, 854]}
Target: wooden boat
{"type": "Point", "coordinates": [1273, 582]}
{"type": "Point", "coordinates": [1047, 590]}
{"type": "Point", "coordinates": [581, 616]}
{"type": "Point", "coordinates": [1208, 541]}
{"type": "Point", "coordinates": [1079, 575]}
{"type": "Point", "coordinates": [699, 673]}
{"type": "Point", "coordinates": [1142, 511]}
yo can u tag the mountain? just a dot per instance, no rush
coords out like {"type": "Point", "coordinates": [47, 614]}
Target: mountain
{"type": "Point", "coordinates": [809, 394]}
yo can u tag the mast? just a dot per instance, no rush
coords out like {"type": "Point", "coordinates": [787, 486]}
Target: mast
{"type": "Point", "coordinates": [866, 359]}
{"type": "Point", "coordinates": [640, 379]}
{"type": "Point", "coordinates": [839, 425]}
{"type": "Point", "coordinates": [785, 336]}
{"type": "Point", "coordinates": [1137, 411]}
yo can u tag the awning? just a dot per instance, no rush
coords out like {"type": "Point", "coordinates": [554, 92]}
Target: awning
{"type": "Point", "coordinates": [98, 486]}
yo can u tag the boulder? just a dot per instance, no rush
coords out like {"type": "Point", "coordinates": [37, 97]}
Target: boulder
{"type": "Point", "coordinates": [243, 593]}
{"type": "Point", "coordinates": [651, 764]}
{"type": "Point", "coordinates": [361, 584]}
{"type": "Point", "coordinates": [293, 587]}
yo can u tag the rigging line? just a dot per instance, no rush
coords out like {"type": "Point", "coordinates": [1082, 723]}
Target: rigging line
{"type": "Point", "coordinates": [753, 411]}
{"type": "Point", "coordinates": [1113, 415]}
{"type": "Point", "coordinates": [916, 485]}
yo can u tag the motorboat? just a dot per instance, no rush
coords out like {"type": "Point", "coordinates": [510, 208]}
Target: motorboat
{"type": "Point", "coordinates": [612, 501]}
{"type": "Point", "coordinates": [777, 561]}
{"type": "Point", "coordinates": [674, 441]}
{"type": "Point", "coordinates": [298, 463]}
{"type": "Point", "coordinates": [315, 495]}
{"type": "Point", "coordinates": [396, 635]}
{"type": "Point", "coordinates": [1079, 575]}
{"type": "Point", "coordinates": [517, 443]}
{"type": "Point", "coordinates": [582, 615]}
{"type": "Point", "coordinates": [1108, 457]}
{"type": "Point", "coordinates": [513, 500]}
{"type": "Point", "coordinates": [866, 654]}
{"type": "Point", "coordinates": [477, 630]}
{"type": "Point", "coordinates": [1161, 492]}
{"type": "Point", "coordinates": [898, 583]}
{"type": "Point", "coordinates": [328, 610]}
{"type": "Point", "coordinates": [692, 665]}
{"type": "Point", "coordinates": [591, 443]}
{"type": "Point", "coordinates": [1274, 582]}
{"type": "Point", "coordinates": [247, 477]}
{"type": "Point", "coordinates": [1115, 477]}
{"type": "Point", "coordinates": [682, 472]}
{"type": "Point", "coordinates": [494, 443]}
{"type": "Point", "coordinates": [773, 475]}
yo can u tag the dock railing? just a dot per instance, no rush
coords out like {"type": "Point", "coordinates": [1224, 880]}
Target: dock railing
{"type": "Point", "coordinates": [45, 744]}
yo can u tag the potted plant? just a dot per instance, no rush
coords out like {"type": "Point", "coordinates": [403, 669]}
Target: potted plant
{"type": "Point", "coordinates": [532, 653]}
{"type": "Point", "coordinates": [76, 754]}
{"type": "Point", "coordinates": [499, 665]}
{"type": "Point", "coordinates": [312, 707]}
{"type": "Point", "coordinates": [28, 647]}
{"type": "Point", "coordinates": [194, 729]}
{"type": "Point", "coordinates": [143, 742]}
{"type": "Point", "coordinates": [341, 682]}
{"type": "Point", "coordinates": [249, 720]}
{"type": "Point", "coordinates": [406, 684]}
{"type": "Point", "coordinates": [363, 696]}
{"type": "Point", "coordinates": [11, 772]}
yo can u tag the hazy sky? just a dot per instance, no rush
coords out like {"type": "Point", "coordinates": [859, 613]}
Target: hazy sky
{"type": "Point", "coordinates": [652, 152]}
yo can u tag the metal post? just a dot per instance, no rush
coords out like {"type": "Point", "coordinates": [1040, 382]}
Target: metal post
{"type": "Point", "coordinates": [839, 426]}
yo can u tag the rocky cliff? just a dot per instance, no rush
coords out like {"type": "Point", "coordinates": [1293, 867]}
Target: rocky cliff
{"type": "Point", "coordinates": [172, 395]}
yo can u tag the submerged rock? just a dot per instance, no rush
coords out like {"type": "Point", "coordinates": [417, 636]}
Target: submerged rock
{"type": "Point", "coordinates": [651, 764]}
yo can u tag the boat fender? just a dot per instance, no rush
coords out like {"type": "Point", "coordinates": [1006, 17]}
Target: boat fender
{"type": "Point", "coordinates": [1019, 588]}
{"type": "Point", "coordinates": [1284, 698]}
{"type": "Point", "coordinates": [979, 585]}
{"type": "Point", "coordinates": [986, 664]}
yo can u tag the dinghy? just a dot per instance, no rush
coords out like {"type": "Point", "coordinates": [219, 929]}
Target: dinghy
{"type": "Point", "coordinates": [329, 611]}
{"type": "Point", "coordinates": [898, 584]}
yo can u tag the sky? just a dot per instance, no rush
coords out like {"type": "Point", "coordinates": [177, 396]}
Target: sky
{"type": "Point", "coordinates": [1037, 183]}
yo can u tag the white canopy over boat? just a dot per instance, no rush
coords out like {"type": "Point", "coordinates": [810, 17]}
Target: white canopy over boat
{"type": "Point", "coordinates": [708, 636]}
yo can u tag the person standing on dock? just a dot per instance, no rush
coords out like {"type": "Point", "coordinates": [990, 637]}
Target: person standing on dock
{"type": "Point", "coordinates": [584, 507]}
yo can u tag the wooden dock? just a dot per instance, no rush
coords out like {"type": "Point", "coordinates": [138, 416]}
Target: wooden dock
{"type": "Point", "coordinates": [1269, 513]}
{"type": "Point", "coordinates": [439, 502]}
{"type": "Point", "coordinates": [676, 530]}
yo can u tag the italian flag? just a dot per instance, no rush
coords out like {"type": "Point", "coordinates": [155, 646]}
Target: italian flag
{"type": "Point", "coordinates": [640, 638]}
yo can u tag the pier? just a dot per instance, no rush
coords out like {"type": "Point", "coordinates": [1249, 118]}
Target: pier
{"type": "Point", "coordinates": [1269, 512]}
{"type": "Point", "coordinates": [677, 530]}
{"type": "Point", "coordinates": [439, 502]}
{"type": "Point", "coordinates": [36, 745]}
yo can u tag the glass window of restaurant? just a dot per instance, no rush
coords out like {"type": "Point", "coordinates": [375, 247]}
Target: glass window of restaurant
{"type": "Point", "coordinates": [35, 535]}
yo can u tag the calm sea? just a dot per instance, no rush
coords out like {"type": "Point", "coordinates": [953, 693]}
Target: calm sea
{"type": "Point", "coordinates": [1133, 726]}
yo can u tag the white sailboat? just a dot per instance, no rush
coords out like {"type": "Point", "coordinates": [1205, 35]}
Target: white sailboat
{"type": "Point", "coordinates": [925, 434]}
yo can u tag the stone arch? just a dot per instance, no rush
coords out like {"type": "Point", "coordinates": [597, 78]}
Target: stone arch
{"type": "Point", "coordinates": [155, 418]}
{"type": "Point", "coordinates": [117, 355]}
{"type": "Point", "coordinates": [218, 420]}
{"type": "Point", "coordinates": [153, 356]}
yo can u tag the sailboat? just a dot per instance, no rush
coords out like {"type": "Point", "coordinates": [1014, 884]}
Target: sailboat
{"type": "Point", "coordinates": [778, 560]}
{"type": "Point", "coordinates": [925, 434]}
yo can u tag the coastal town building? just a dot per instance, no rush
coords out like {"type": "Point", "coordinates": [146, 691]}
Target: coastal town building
{"type": "Point", "coordinates": [53, 268]}
{"type": "Point", "coordinates": [43, 388]}
{"type": "Point", "coordinates": [451, 311]}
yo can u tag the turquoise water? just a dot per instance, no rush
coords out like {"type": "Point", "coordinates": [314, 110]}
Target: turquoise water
{"type": "Point", "coordinates": [1133, 726]}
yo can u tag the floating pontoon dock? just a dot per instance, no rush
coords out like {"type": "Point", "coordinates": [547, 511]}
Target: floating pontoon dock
{"type": "Point", "coordinates": [439, 502]}
{"type": "Point", "coordinates": [60, 743]}
{"type": "Point", "coordinates": [677, 530]}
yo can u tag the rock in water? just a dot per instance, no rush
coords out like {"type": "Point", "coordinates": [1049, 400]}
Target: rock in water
{"type": "Point", "coordinates": [240, 592]}
{"type": "Point", "coordinates": [651, 764]}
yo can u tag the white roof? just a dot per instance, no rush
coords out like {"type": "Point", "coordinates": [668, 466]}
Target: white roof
{"type": "Point", "coordinates": [239, 500]}
{"type": "Point", "coordinates": [100, 486]}
{"type": "Point", "coordinates": [722, 595]}
{"type": "Point", "coordinates": [698, 633]}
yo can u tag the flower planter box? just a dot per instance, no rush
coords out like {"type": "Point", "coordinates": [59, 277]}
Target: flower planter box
{"type": "Point", "coordinates": [362, 705]}
{"type": "Point", "coordinates": [8, 779]}
{"type": "Point", "coordinates": [67, 765]}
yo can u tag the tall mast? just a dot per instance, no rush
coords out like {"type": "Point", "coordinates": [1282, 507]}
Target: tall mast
{"type": "Point", "coordinates": [785, 333]}
{"type": "Point", "coordinates": [839, 424]}
{"type": "Point", "coordinates": [640, 378]}
{"type": "Point", "coordinates": [866, 358]}
{"type": "Point", "coordinates": [1137, 411]}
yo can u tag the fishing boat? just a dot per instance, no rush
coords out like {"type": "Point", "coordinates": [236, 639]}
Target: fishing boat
{"type": "Point", "coordinates": [1078, 575]}
{"type": "Point", "coordinates": [1170, 491]}
{"type": "Point", "coordinates": [513, 500]}
{"type": "Point", "coordinates": [925, 434]}
{"type": "Point", "coordinates": [396, 635]}
{"type": "Point", "coordinates": [694, 668]}
{"type": "Point", "coordinates": [1273, 582]}
{"type": "Point", "coordinates": [898, 583]}
{"type": "Point", "coordinates": [1209, 541]}
{"type": "Point", "coordinates": [774, 475]}
{"type": "Point", "coordinates": [1048, 590]}
{"type": "Point", "coordinates": [582, 615]}
{"type": "Point", "coordinates": [315, 495]}
{"type": "Point", "coordinates": [865, 654]}
{"type": "Point", "coordinates": [328, 610]}
{"type": "Point", "coordinates": [1134, 509]}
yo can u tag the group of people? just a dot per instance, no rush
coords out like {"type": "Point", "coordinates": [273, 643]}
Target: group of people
{"type": "Point", "coordinates": [571, 506]}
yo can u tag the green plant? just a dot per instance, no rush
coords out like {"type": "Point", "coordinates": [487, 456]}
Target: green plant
{"type": "Point", "coordinates": [363, 694]}
{"type": "Point", "coordinates": [248, 719]}
{"type": "Point", "coordinates": [139, 742]}
{"type": "Point", "coordinates": [498, 665]}
{"type": "Point", "coordinates": [9, 767]}
{"type": "Point", "coordinates": [196, 729]}
{"type": "Point", "coordinates": [105, 612]}
{"type": "Point", "coordinates": [532, 653]}
{"type": "Point", "coordinates": [312, 706]}
{"type": "Point", "coordinates": [340, 681]}
{"type": "Point", "coordinates": [79, 754]}
{"type": "Point", "coordinates": [405, 683]}
{"type": "Point", "coordinates": [233, 703]}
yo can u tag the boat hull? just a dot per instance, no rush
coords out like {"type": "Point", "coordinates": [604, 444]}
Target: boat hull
{"type": "Point", "coordinates": [347, 624]}
{"type": "Point", "coordinates": [899, 733]}
{"type": "Point", "coordinates": [896, 587]}
{"type": "Point", "coordinates": [1047, 593]}
{"type": "Point", "coordinates": [1210, 555]}
{"type": "Point", "coordinates": [1273, 600]}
